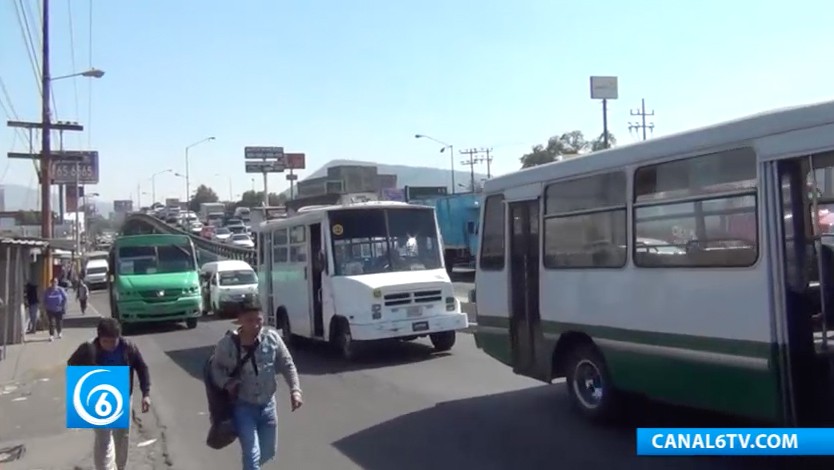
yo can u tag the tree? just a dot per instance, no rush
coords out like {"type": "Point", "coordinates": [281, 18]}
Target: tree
{"type": "Point", "coordinates": [568, 145]}
{"type": "Point", "coordinates": [203, 194]}
{"type": "Point", "coordinates": [255, 199]}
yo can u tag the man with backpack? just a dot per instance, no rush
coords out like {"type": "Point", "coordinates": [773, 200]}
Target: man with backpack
{"type": "Point", "coordinates": [109, 348]}
{"type": "Point", "coordinates": [244, 366]}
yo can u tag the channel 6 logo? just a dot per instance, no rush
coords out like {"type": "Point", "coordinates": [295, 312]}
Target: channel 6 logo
{"type": "Point", "coordinates": [98, 397]}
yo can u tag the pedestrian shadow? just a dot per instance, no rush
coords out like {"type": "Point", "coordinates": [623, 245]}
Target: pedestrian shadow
{"type": "Point", "coordinates": [90, 321]}
{"type": "Point", "coordinates": [316, 358]}
{"type": "Point", "coordinates": [140, 329]}
{"type": "Point", "coordinates": [531, 428]}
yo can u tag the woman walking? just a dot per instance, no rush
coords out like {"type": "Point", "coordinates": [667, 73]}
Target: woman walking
{"type": "Point", "coordinates": [82, 292]}
{"type": "Point", "coordinates": [55, 304]}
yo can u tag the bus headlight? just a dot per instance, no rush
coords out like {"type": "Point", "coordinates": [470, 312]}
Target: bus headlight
{"type": "Point", "coordinates": [450, 304]}
{"type": "Point", "coordinates": [376, 311]}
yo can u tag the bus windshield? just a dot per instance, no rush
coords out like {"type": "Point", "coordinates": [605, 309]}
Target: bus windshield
{"type": "Point", "coordinates": [237, 278]}
{"type": "Point", "coordinates": [138, 260]}
{"type": "Point", "coordinates": [370, 241]}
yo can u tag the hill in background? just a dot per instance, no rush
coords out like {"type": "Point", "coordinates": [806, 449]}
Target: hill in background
{"type": "Point", "coordinates": [22, 198]}
{"type": "Point", "coordinates": [409, 175]}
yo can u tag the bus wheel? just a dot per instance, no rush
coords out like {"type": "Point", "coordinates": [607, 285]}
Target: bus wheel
{"type": "Point", "coordinates": [589, 384]}
{"type": "Point", "coordinates": [343, 341]}
{"type": "Point", "coordinates": [191, 323]}
{"type": "Point", "coordinates": [443, 341]}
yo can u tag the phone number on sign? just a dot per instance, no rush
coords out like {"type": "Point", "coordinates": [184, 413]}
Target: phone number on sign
{"type": "Point", "coordinates": [724, 441]}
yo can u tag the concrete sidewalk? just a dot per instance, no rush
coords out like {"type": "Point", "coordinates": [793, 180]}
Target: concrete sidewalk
{"type": "Point", "coordinates": [33, 433]}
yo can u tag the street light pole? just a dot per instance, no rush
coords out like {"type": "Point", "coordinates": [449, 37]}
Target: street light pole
{"type": "Point", "coordinates": [451, 154]}
{"type": "Point", "coordinates": [187, 169]}
{"type": "Point", "coordinates": [153, 183]}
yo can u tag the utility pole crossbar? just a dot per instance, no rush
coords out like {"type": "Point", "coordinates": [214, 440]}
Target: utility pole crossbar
{"type": "Point", "coordinates": [633, 126]}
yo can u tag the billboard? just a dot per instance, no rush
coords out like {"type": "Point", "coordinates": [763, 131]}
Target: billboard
{"type": "Point", "coordinates": [72, 194]}
{"type": "Point", "coordinates": [123, 206]}
{"type": "Point", "coordinates": [74, 166]}
{"type": "Point", "coordinates": [425, 192]}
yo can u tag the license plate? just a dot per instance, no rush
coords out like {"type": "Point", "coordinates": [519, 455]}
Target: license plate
{"type": "Point", "coordinates": [414, 311]}
{"type": "Point", "coordinates": [420, 326]}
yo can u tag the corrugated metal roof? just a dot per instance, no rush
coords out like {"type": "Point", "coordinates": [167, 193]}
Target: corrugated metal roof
{"type": "Point", "coordinates": [37, 242]}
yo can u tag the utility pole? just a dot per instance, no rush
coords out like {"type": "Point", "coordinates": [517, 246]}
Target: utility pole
{"type": "Point", "coordinates": [488, 160]}
{"type": "Point", "coordinates": [471, 161]}
{"type": "Point", "coordinates": [633, 126]}
{"type": "Point", "coordinates": [46, 155]}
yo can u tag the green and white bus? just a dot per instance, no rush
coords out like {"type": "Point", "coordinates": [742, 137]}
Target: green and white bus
{"type": "Point", "coordinates": [673, 269]}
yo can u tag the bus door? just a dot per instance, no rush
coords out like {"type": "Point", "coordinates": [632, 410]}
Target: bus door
{"type": "Point", "coordinates": [265, 260]}
{"type": "Point", "coordinates": [808, 282]}
{"type": "Point", "coordinates": [525, 319]}
{"type": "Point", "coordinates": [317, 267]}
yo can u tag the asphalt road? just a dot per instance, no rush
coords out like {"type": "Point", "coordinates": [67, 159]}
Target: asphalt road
{"type": "Point", "coordinates": [403, 407]}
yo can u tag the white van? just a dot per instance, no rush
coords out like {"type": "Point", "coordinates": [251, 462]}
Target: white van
{"type": "Point", "coordinates": [95, 273]}
{"type": "Point", "coordinates": [226, 283]}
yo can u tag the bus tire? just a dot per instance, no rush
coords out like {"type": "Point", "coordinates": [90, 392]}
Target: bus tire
{"type": "Point", "coordinates": [589, 384]}
{"type": "Point", "coordinates": [443, 341]}
{"type": "Point", "coordinates": [282, 321]}
{"type": "Point", "coordinates": [343, 341]}
{"type": "Point", "coordinates": [191, 323]}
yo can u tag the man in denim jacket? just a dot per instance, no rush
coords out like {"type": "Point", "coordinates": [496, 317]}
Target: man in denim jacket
{"type": "Point", "coordinates": [253, 390]}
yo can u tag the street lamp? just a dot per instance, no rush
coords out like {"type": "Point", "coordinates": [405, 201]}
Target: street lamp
{"type": "Point", "coordinates": [92, 73]}
{"type": "Point", "coordinates": [445, 146]}
{"type": "Point", "coordinates": [153, 183]}
{"type": "Point", "coordinates": [187, 178]}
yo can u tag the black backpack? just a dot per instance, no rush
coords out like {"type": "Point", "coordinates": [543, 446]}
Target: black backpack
{"type": "Point", "coordinates": [221, 432]}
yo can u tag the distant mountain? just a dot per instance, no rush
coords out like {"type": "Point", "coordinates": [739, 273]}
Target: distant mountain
{"type": "Point", "coordinates": [19, 198]}
{"type": "Point", "coordinates": [409, 175]}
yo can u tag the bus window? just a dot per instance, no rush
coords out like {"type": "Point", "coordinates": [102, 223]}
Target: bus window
{"type": "Point", "coordinates": [585, 222]}
{"type": "Point", "coordinates": [716, 226]}
{"type": "Point", "coordinates": [384, 240]}
{"type": "Point", "coordinates": [492, 241]}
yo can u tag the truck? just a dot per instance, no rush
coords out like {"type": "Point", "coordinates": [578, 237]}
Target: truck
{"type": "Point", "coordinates": [457, 216]}
{"type": "Point", "coordinates": [209, 209]}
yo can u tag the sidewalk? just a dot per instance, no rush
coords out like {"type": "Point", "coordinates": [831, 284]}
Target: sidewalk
{"type": "Point", "coordinates": [33, 433]}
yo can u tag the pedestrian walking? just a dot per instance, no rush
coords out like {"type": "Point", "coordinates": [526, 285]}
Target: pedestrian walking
{"type": "Point", "coordinates": [55, 303]}
{"type": "Point", "coordinates": [245, 364]}
{"type": "Point", "coordinates": [109, 348]}
{"type": "Point", "coordinates": [32, 306]}
{"type": "Point", "coordinates": [82, 292]}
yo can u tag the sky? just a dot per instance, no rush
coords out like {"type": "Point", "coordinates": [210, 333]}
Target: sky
{"type": "Point", "coordinates": [356, 80]}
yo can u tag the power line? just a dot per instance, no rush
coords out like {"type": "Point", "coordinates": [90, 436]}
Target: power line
{"type": "Point", "coordinates": [72, 55]}
{"type": "Point", "coordinates": [471, 162]}
{"type": "Point", "coordinates": [633, 126]}
{"type": "Point", "coordinates": [90, 82]}
{"type": "Point", "coordinates": [27, 43]}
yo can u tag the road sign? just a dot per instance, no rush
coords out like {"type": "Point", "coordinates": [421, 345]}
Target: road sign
{"type": "Point", "coordinates": [66, 164]}
{"type": "Point", "coordinates": [425, 192]}
{"type": "Point", "coordinates": [604, 88]}
{"type": "Point", "coordinates": [123, 206]}
{"type": "Point", "coordinates": [271, 166]}
{"type": "Point", "coordinates": [292, 177]}
{"type": "Point", "coordinates": [263, 153]}
{"type": "Point", "coordinates": [294, 161]}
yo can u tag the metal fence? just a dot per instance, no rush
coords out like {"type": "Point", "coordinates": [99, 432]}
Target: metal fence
{"type": "Point", "coordinates": [17, 266]}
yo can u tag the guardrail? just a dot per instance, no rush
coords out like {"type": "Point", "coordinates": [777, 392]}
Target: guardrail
{"type": "Point", "coordinates": [220, 249]}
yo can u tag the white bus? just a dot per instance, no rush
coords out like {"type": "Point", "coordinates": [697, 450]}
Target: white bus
{"type": "Point", "coordinates": [672, 269]}
{"type": "Point", "coordinates": [358, 272]}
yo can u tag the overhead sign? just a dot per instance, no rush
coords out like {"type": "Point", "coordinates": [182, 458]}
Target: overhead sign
{"type": "Point", "coordinates": [73, 193]}
{"type": "Point", "coordinates": [67, 164]}
{"type": "Point", "coordinates": [425, 192]}
{"type": "Point", "coordinates": [123, 206]}
{"type": "Point", "coordinates": [263, 153]}
{"type": "Point", "coordinates": [295, 161]}
{"type": "Point", "coordinates": [265, 167]}
{"type": "Point", "coordinates": [604, 88]}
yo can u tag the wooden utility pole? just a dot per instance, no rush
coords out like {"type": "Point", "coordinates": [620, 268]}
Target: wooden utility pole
{"type": "Point", "coordinates": [46, 155]}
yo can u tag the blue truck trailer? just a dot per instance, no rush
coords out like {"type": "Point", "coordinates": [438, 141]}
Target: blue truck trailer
{"type": "Point", "coordinates": [458, 216]}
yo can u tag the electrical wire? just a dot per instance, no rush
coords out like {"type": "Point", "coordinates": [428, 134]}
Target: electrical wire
{"type": "Point", "coordinates": [72, 61]}
{"type": "Point", "coordinates": [27, 43]}
{"type": "Point", "coordinates": [39, 21]}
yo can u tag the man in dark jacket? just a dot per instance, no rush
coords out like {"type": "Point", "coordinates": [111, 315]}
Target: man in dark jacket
{"type": "Point", "coordinates": [109, 348]}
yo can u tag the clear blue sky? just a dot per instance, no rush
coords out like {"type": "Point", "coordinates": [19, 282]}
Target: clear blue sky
{"type": "Point", "coordinates": [357, 80]}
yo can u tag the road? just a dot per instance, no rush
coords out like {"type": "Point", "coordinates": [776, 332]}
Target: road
{"type": "Point", "coordinates": [401, 407]}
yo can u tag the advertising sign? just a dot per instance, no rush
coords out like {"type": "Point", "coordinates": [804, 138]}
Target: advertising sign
{"type": "Point", "coordinates": [123, 206]}
{"type": "Point", "coordinates": [69, 163]}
